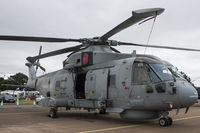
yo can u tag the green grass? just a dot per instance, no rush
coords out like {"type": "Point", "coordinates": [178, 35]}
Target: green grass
{"type": "Point", "coordinates": [21, 102]}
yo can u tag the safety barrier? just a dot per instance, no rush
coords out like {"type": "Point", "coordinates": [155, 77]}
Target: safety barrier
{"type": "Point", "coordinates": [17, 104]}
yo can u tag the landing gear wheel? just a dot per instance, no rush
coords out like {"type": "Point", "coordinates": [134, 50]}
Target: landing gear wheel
{"type": "Point", "coordinates": [170, 121]}
{"type": "Point", "coordinates": [163, 122]}
{"type": "Point", "coordinates": [52, 113]}
{"type": "Point", "coordinates": [102, 111]}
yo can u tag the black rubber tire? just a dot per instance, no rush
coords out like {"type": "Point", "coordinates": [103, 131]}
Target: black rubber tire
{"type": "Point", "coordinates": [163, 122]}
{"type": "Point", "coordinates": [102, 111]}
{"type": "Point", "coordinates": [170, 121]}
{"type": "Point", "coordinates": [52, 113]}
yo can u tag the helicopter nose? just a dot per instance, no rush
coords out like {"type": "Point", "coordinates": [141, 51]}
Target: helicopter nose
{"type": "Point", "coordinates": [187, 95]}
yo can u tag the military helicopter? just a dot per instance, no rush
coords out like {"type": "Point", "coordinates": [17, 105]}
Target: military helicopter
{"type": "Point", "coordinates": [96, 76]}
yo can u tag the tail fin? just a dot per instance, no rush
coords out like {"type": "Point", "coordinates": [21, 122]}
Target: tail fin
{"type": "Point", "coordinates": [32, 75]}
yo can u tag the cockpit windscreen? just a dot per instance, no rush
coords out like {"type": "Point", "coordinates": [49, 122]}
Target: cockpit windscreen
{"type": "Point", "coordinates": [162, 71]}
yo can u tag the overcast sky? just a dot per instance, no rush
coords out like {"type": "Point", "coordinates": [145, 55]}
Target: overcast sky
{"type": "Point", "coordinates": [178, 26]}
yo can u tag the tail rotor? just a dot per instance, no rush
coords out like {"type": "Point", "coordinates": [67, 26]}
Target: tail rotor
{"type": "Point", "coordinates": [38, 62]}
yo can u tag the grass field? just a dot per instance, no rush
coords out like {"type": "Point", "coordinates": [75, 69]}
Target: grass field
{"type": "Point", "coordinates": [21, 102]}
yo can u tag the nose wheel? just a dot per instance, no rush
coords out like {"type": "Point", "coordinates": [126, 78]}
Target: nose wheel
{"type": "Point", "coordinates": [165, 121]}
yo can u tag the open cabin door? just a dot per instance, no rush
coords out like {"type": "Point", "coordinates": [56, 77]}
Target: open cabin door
{"type": "Point", "coordinates": [96, 84]}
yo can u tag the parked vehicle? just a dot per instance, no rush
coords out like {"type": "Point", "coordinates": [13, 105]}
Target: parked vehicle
{"type": "Point", "coordinates": [31, 97]}
{"type": "Point", "coordinates": [39, 98]}
{"type": "Point", "coordinates": [7, 98]}
{"type": "Point", "coordinates": [2, 97]}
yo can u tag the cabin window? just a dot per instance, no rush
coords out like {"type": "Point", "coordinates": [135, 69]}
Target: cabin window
{"type": "Point", "coordinates": [57, 85]}
{"type": "Point", "coordinates": [63, 83]}
{"type": "Point", "coordinates": [140, 74]}
{"type": "Point", "coordinates": [112, 81]}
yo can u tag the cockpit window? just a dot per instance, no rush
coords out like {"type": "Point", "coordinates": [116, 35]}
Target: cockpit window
{"type": "Point", "coordinates": [146, 73]}
{"type": "Point", "coordinates": [154, 78]}
{"type": "Point", "coordinates": [140, 74]}
{"type": "Point", "coordinates": [162, 71]}
{"type": "Point", "coordinates": [179, 74]}
{"type": "Point", "coordinates": [174, 71]}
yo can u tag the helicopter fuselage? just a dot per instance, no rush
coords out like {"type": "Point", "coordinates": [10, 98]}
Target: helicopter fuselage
{"type": "Point", "coordinates": [122, 83]}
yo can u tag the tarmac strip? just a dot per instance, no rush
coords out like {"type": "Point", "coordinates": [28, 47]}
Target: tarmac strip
{"type": "Point", "coordinates": [21, 113]}
{"type": "Point", "coordinates": [110, 129]}
{"type": "Point", "coordinates": [130, 126]}
{"type": "Point", "coordinates": [187, 118]}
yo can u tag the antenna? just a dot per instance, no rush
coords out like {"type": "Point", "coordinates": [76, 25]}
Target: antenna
{"type": "Point", "coordinates": [150, 31]}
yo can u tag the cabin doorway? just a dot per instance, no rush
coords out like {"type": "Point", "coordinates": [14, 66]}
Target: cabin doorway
{"type": "Point", "coordinates": [80, 86]}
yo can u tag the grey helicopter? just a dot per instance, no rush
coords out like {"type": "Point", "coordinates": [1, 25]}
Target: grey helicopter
{"type": "Point", "coordinates": [96, 76]}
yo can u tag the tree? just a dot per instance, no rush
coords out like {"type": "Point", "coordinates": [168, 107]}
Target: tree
{"type": "Point", "coordinates": [1, 79]}
{"type": "Point", "coordinates": [17, 79]}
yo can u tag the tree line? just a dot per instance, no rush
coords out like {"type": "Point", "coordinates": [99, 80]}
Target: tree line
{"type": "Point", "coordinates": [17, 79]}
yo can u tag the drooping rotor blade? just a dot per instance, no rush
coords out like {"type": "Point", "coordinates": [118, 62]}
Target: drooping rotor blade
{"type": "Point", "coordinates": [156, 46]}
{"type": "Point", "coordinates": [36, 39]}
{"type": "Point", "coordinates": [137, 16]}
{"type": "Point", "coordinates": [77, 51]}
{"type": "Point", "coordinates": [53, 53]}
{"type": "Point", "coordinates": [115, 50]}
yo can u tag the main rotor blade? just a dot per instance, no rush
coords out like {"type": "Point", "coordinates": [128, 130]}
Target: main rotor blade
{"type": "Point", "coordinates": [156, 46]}
{"type": "Point", "coordinates": [137, 16]}
{"type": "Point", "coordinates": [115, 50]}
{"type": "Point", "coordinates": [36, 39]}
{"type": "Point", "coordinates": [53, 53]}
